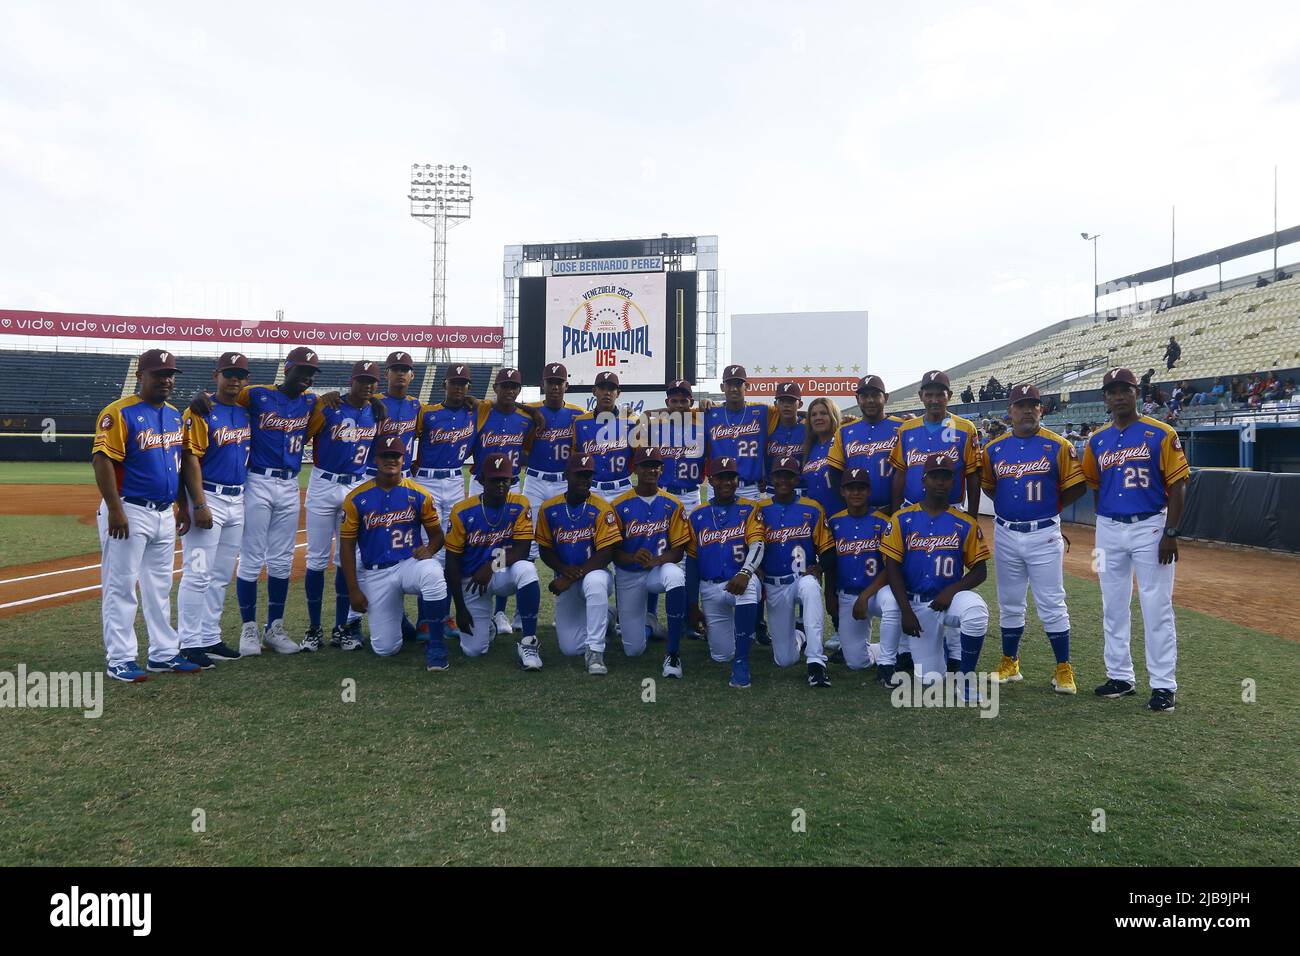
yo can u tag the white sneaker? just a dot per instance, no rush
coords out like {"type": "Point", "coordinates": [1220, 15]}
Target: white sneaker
{"type": "Point", "coordinates": [278, 640]}
{"type": "Point", "coordinates": [596, 663]}
{"type": "Point", "coordinates": [672, 666]}
{"type": "Point", "coordinates": [250, 640]}
{"type": "Point", "coordinates": [502, 623]}
{"type": "Point", "coordinates": [529, 655]}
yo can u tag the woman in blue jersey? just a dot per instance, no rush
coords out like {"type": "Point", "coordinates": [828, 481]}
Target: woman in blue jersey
{"type": "Point", "coordinates": [823, 422]}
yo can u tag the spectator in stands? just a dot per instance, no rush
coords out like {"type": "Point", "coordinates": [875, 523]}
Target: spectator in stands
{"type": "Point", "coordinates": [1287, 391]}
{"type": "Point", "coordinates": [1260, 393]}
{"type": "Point", "coordinates": [1145, 384]}
{"type": "Point", "coordinates": [1180, 391]}
{"type": "Point", "coordinates": [1213, 396]}
{"type": "Point", "coordinates": [967, 395]}
{"type": "Point", "coordinates": [995, 389]}
{"type": "Point", "coordinates": [1072, 433]}
{"type": "Point", "coordinates": [1173, 351]}
{"type": "Point", "coordinates": [984, 393]}
{"type": "Point", "coordinates": [1238, 391]}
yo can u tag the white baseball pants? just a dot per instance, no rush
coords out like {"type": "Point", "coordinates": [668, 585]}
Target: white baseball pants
{"type": "Point", "coordinates": [386, 589]}
{"type": "Point", "coordinates": [690, 499]}
{"type": "Point", "coordinates": [209, 561]}
{"type": "Point", "coordinates": [1031, 561]}
{"type": "Point", "coordinates": [324, 504]}
{"type": "Point", "coordinates": [632, 587]}
{"type": "Point", "coordinates": [538, 490]}
{"type": "Point", "coordinates": [780, 598]}
{"type": "Point", "coordinates": [855, 635]}
{"type": "Point", "coordinates": [582, 614]}
{"type": "Point", "coordinates": [271, 507]}
{"type": "Point", "coordinates": [480, 604]}
{"type": "Point", "coordinates": [719, 608]}
{"type": "Point", "coordinates": [145, 557]}
{"type": "Point", "coordinates": [447, 493]}
{"type": "Point", "coordinates": [967, 614]}
{"type": "Point", "coordinates": [1123, 550]}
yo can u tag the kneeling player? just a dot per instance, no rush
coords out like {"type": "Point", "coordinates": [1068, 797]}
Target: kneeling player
{"type": "Point", "coordinates": [855, 573]}
{"type": "Point", "coordinates": [576, 536]}
{"type": "Point", "coordinates": [488, 542]}
{"type": "Point", "coordinates": [381, 518]}
{"type": "Point", "coordinates": [925, 548]}
{"type": "Point", "coordinates": [722, 557]}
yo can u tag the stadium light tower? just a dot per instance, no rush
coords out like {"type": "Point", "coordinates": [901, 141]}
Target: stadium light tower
{"type": "Point", "coordinates": [440, 198]}
{"type": "Point", "coordinates": [1093, 239]}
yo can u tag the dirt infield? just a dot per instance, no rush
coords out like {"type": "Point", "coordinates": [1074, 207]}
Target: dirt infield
{"type": "Point", "coordinates": [1233, 584]}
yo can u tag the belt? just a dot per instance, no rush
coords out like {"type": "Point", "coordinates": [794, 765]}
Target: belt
{"type": "Point", "coordinates": [437, 472]}
{"type": "Point", "coordinates": [283, 473]}
{"type": "Point", "coordinates": [777, 581]}
{"type": "Point", "coordinates": [1132, 519]}
{"type": "Point", "coordinates": [680, 489]}
{"type": "Point", "coordinates": [849, 593]}
{"type": "Point", "coordinates": [380, 566]}
{"type": "Point", "coordinates": [217, 489]}
{"type": "Point", "coordinates": [147, 503]}
{"type": "Point", "coordinates": [610, 485]}
{"type": "Point", "coordinates": [920, 598]}
{"type": "Point", "coordinates": [1026, 526]}
{"type": "Point", "coordinates": [545, 475]}
{"type": "Point", "coordinates": [337, 478]}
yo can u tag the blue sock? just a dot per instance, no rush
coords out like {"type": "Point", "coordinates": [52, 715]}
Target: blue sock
{"type": "Point", "coordinates": [277, 592]}
{"type": "Point", "coordinates": [1011, 641]}
{"type": "Point", "coordinates": [501, 606]}
{"type": "Point", "coordinates": [528, 599]}
{"type": "Point", "coordinates": [432, 615]}
{"type": "Point", "coordinates": [341, 603]}
{"type": "Point", "coordinates": [246, 595]}
{"type": "Point", "coordinates": [315, 587]}
{"type": "Point", "coordinates": [970, 652]}
{"type": "Point", "coordinates": [746, 617]}
{"type": "Point", "coordinates": [1060, 646]}
{"type": "Point", "coordinates": [675, 602]}
{"type": "Point", "coordinates": [652, 603]}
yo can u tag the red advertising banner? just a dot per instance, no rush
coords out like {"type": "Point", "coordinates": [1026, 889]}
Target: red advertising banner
{"type": "Point", "coordinates": [223, 331]}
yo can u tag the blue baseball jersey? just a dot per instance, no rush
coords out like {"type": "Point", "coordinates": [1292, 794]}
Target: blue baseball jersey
{"type": "Point", "coordinates": [144, 443]}
{"type": "Point", "coordinates": [576, 532]}
{"type": "Point", "coordinates": [793, 534]}
{"type": "Point", "coordinates": [934, 550]}
{"type": "Point", "coordinates": [604, 436]}
{"type": "Point", "coordinates": [741, 435]}
{"type": "Point", "coordinates": [503, 433]}
{"type": "Point", "coordinates": [784, 441]}
{"type": "Point", "coordinates": [858, 561]}
{"type": "Point", "coordinates": [387, 523]}
{"type": "Point", "coordinates": [679, 437]}
{"type": "Point", "coordinates": [816, 482]}
{"type": "Point", "coordinates": [1027, 475]}
{"type": "Point", "coordinates": [341, 437]}
{"type": "Point", "coordinates": [220, 441]}
{"type": "Point", "coordinates": [1133, 468]}
{"type": "Point", "coordinates": [654, 522]}
{"type": "Point", "coordinates": [403, 415]}
{"type": "Point", "coordinates": [475, 529]}
{"type": "Point", "coordinates": [553, 442]}
{"type": "Point", "coordinates": [446, 436]}
{"type": "Point", "coordinates": [864, 444]}
{"type": "Point", "coordinates": [918, 438]}
{"type": "Point", "coordinates": [279, 426]}
{"type": "Point", "coordinates": [721, 536]}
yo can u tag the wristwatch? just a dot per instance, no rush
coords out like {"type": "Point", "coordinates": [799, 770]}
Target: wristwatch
{"type": "Point", "coordinates": [1171, 532]}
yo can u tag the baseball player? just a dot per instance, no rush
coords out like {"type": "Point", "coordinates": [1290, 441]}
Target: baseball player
{"type": "Point", "coordinates": [855, 573]}
{"type": "Point", "coordinates": [549, 455]}
{"type": "Point", "coordinates": [786, 430]}
{"type": "Point", "coordinates": [1138, 473]}
{"type": "Point", "coordinates": [577, 533]}
{"type": "Point", "coordinates": [137, 463]}
{"type": "Point", "coordinates": [723, 555]}
{"type": "Point", "coordinates": [214, 465]}
{"type": "Point", "coordinates": [655, 532]}
{"type": "Point", "coordinates": [1032, 474]}
{"type": "Point", "coordinates": [488, 542]}
{"type": "Point", "coordinates": [823, 428]}
{"type": "Point", "coordinates": [926, 546]}
{"type": "Point", "coordinates": [936, 432]}
{"type": "Point", "coordinates": [446, 433]}
{"type": "Point", "coordinates": [681, 443]}
{"type": "Point", "coordinates": [868, 443]}
{"type": "Point", "coordinates": [603, 433]}
{"type": "Point", "coordinates": [382, 519]}
{"type": "Point", "coordinates": [794, 530]}
{"type": "Point", "coordinates": [738, 429]}
{"type": "Point", "coordinates": [401, 410]}
{"type": "Point", "coordinates": [342, 438]}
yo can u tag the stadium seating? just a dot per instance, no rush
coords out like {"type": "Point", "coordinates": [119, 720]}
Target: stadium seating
{"type": "Point", "coordinates": [59, 383]}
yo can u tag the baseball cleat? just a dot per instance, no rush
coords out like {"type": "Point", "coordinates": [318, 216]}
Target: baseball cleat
{"type": "Point", "coordinates": [761, 636]}
{"type": "Point", "coordinates": [449, 628]}
{"type": "Point", "coordinates": [954, 665]}
{"type": "Point", "coordinates": [739, 674]}
{"type": "Point", "coordinates": [128, 673]}
{"type": "Point", "coordinates": [596, 662]}
{"type": "Point", "coordinates": [278, 640]}
{"type": "Point", "coordinates": [1162, 701]}
{"type": "Point", "coordinates": [836, 656]}
{"type": "Point", "coordinates": [409, 633]}
{"type": "Point", "coordinates": [1115, 689]}
{"type": "Point", "coordinates": [1008, 670]}
{"type": "Point", "coordinates": [502, 623]}
{"type": "Point", "coordinates": [1063, 680]}
{"type": "Point", "coordinates": [176, 665]}
{"type": "Point", "coordinates": [352, 639]}
{"type": "Point", "coordinates": [673, 665]}
{"type": "Point", "coordinates": [336, 636]}
{"type": "Point", "coordinates": [196, 656]}
{"type": "Point", "coordinates": [435, 654]}
{"type": "Point", "coordinates": [220, 652]}
{"type": "Point", "coordinates": [817, 675]}
{"type": "Point", "coordinates": [529, 651]}
{"type": "Point", "coordinates": [312, 639]}
{"type": "Point", "coordinates": [250, 640]}
{"type": "Point", "coordinates": [886, 676]}
{"type": "Point", "coordinates": [905, 663]}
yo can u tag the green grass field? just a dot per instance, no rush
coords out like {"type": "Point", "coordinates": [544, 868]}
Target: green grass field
{"type": "Point", "coordinates": [29, 538]}
{"type": "Point", "coordinates": [586, 772]}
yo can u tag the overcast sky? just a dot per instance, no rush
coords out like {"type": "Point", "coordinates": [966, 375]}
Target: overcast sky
{"type": "Point", "coordinates": [934, 167]}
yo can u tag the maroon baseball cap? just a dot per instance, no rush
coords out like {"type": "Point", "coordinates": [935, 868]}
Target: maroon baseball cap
{"type": "Point", "coordinates": [935, 378]}
{"type": "Point", "coordinates": [579, 464]}
{"type": "Point", "coordinates": [497, 466]}
{"type": "Point", "coordinates": [158, 360]}
{"type": "Point", "coordinates": [936, 463]}
{"type": "Point", "coordinates": [388, 445]}
{"type": "Point", "coordinates": [399, 360]}
{"type": "Point", "coordinates": [231, 360]}
{"type": "Point", "coordinates": [789, 390]}
{"type": "Point", "coordinates": [507, 376]}
{"type": "Point", "coordinates": [555, 370]}
{"type": "Point", "coordinates": [606, 380]}
{"type": "Point", "coordinates": [681, 385]}
{"type": "Point", "coordinates": [365, 370]}
{"type": "Point", "coordinates": [1118, 376]}
{"type": "Point", "coordinates": [788, 464]}
{"type": "Point", "coordinates": [855, 476]}
{"type": "Point", "coordinates": [641, 455]}
{"type": "Point", "coordinates": [733, 372]}
{"type": "Point", "coordinates": [302, 356]}
{"type": "Point", "coordinates": [457, 373]}
{"type": "Point", "coordinates": [872, 381]}
{"type": "Point", "coordinates": [724, 466]}
{"type": "Point", "coordinates": [1024, 393]}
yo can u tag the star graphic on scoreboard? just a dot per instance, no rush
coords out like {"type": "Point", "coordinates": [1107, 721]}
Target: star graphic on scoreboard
{"type": "Point", "coordinates": [857, 368]}
{"type": "Point", "coordinates": [821, 368]}
{"type": "Point", "coordinates": [839, 368]}
{"type": "Point", "coordinates": [807, 368]}
{"type": "Point", "coordinates": [789, 368]}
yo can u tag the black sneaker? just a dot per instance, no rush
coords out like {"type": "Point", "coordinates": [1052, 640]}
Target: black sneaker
{"type": "Point", "coordinates": [837, 656]}
{"type": "Point", "coordinates": [1115, 689]}
{"type": "Point", "coordinates": [196, 656]}
{"type": "Point", "coordinates": [885, 676]}
{"type": "Point", "coordinates": [220, 652]}
{"type": "Point", "coordinates": [311, 641]}
{"type": "Point", "coordinates": [408, 629]}
{"type": "Point", "coordinates": [760, 634]}
{"type": "Point", "coordinates": [954, 665]}
{"type": "Point", "coordinates": [1162, 699]}
{"type": "Point", "coordinates": [904, 663]}
{"type": "Point", "coordinates": [817, 675]}
{"type": "Point", "coordinates": [336, 637]}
